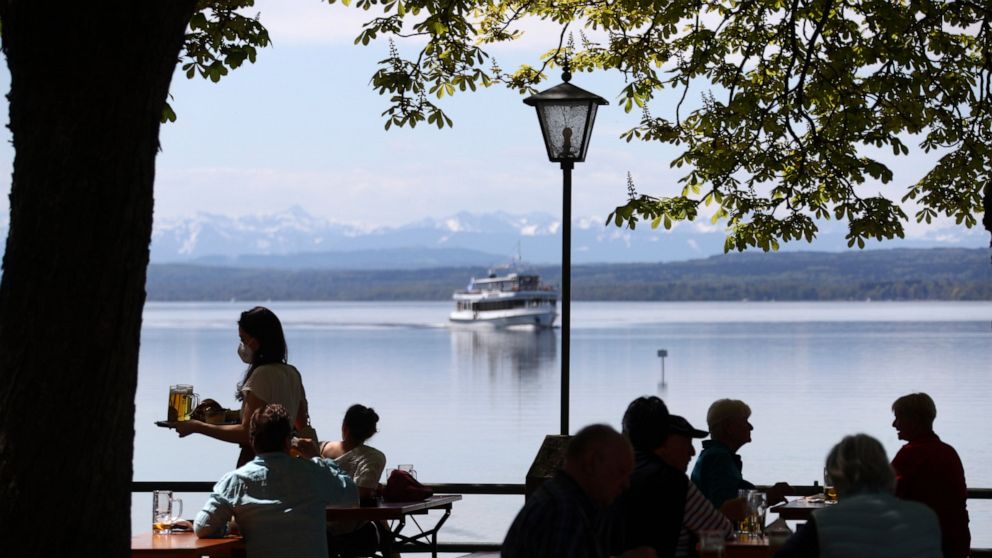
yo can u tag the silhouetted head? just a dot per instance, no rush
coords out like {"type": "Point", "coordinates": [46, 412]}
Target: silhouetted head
{"type": "Point", "coordinates": [359, 423]}
{"type": "Point", "coordinates": [677, 449]}
{"type": "Point", "coordinates": [645, 423]}
{"type": "Point", "coordinates": [914, 416]}
{"type": "Point", "coordinates": [269, 429]}
{"type": "Point", "coordinates": [600, 460]}
{"type": "Point", "coordinates": [728, 422]}
{"type": "Point", "coordinates": [264, 331]}
{"type": "Point", "coordinates": [859, 464]}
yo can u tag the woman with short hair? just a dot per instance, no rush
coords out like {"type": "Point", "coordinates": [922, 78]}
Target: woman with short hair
{"type": "Point", "coordinates": [868, 521]}
{"type": "Point", "coordinates": [718, 469]}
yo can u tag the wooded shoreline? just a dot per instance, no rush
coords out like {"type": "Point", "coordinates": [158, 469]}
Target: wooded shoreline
{"type": "Point", "coordinates": [903, 274]}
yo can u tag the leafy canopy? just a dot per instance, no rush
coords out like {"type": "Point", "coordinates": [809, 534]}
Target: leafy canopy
{"type": "Point", "coordinates": [780, 100]}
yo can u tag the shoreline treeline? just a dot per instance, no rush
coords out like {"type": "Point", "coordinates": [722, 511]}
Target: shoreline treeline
{"type": "Point", "coordinates": [899, 274]}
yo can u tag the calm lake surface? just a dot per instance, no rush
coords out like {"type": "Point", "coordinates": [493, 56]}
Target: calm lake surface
{"type": "Point", "coordinates": [470, 405]}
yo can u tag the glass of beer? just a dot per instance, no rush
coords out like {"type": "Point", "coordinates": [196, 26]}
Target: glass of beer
{"type": "Point", "coordinates": [756, 508]}
{"type": "Point", "coordinates": [829, 490]}
{"type": "Point", "coordinates": [166, 511]}
{"type": "Point", "coordinates": [182, 401]}
{"type": "Point", "coordinates": [746, 525]}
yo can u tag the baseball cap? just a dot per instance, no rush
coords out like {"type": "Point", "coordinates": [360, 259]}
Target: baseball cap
{"type": "Point", "coordinates": [678, 425]}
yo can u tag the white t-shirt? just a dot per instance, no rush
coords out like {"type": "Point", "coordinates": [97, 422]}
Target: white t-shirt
{"type": "Point", "coordinates": [278, 383]}
{"type": "Point", "coordinates": [364, 464]}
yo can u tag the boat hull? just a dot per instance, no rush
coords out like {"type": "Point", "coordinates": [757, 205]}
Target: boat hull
{"type": "Point", "coordinates": [505, 318]}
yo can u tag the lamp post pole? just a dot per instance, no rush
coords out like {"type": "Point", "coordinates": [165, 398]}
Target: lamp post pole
{"type": "Point", "coordinates": [566, 288]}
{"type": "Point", "coordinates": [566, 114]}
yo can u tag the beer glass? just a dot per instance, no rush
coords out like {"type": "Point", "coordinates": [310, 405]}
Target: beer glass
{"type": "Point", "coordinates": [166, 511]}
{"type": "Point", "coordinates": [182, 401]}
{"type": "Point", "coordinates": [744, 526]}
{"type": "Point", "coordinates": [756, 507]}
{"type": "Point", "coordinates": [829, 490]}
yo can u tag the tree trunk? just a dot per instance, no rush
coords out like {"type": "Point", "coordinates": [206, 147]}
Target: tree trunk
{"type": "Point", "coordinates": [88, 83]}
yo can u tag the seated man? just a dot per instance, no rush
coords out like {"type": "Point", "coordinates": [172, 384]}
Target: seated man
{"type": "Point", "coordinates": [564, 517]}
{"type": "Point", "coordinates": [662, 508]}
{"type": "Point", "coordinates": [930, 471]}
{"type": "Point", "coordinates": [718, 471]}
{"type": "Point", "coordinates": [868, 521]}
{"type": "Point", "coordinates": [277, 500]}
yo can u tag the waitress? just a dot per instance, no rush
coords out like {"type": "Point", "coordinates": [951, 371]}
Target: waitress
{"type": "Point", "coordinates": [268, 379]}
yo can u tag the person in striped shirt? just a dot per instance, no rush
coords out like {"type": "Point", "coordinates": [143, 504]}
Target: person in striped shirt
{"type": "Point", "coordinates": [698, 514]}
{"type": "Point", "coordinates": [662, 508]}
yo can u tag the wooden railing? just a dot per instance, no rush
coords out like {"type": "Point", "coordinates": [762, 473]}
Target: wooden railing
{"type": "Point", "coordinates": [500, 490]}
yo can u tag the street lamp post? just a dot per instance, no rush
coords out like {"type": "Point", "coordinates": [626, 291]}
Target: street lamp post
{"type": "Point", "coordinates": [566, 114]}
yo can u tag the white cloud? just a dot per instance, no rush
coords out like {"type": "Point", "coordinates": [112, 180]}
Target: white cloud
{"type": "Point", "coordinates": [309, 22]}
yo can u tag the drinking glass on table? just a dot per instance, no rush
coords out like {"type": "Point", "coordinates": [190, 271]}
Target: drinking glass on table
{"type": "Point", "coordinates": [744, 526]}
{"type": "Point", "coordinates": [167, 510]}
{"type": "Point", "coordinates": [408, 469]}
{"type": "Point", "coordinates": [711, 543]}
{"type": "Point", "coordinates": [757, 505]}
{"type": "Point", "coordinates": [829, 491]}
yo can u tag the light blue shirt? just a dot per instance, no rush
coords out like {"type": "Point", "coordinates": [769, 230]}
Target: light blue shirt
{"type": "Point", "coordinates": [278, 502]}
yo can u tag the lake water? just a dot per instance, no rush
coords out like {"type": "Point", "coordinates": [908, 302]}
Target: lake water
{"type": "Point", "coordinates": [466, 405]}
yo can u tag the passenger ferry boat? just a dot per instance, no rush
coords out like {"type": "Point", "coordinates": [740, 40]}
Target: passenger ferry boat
{"type": "Point", "coordinates": [516, 298]}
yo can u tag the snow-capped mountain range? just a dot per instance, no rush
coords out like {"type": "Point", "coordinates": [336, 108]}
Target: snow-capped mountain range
{"type": "Point", "coordinates": [296, 239]}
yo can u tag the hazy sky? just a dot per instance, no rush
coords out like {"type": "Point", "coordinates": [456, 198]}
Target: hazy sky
{"type": "Point", "coordinates": [302, 126]}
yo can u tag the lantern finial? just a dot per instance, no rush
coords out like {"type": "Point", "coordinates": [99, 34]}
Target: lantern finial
{"type": "Point", "coordinates": [566, 70]}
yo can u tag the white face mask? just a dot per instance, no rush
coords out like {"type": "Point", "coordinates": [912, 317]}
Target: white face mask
{"type": "Point", "coordinates": [245, 353]}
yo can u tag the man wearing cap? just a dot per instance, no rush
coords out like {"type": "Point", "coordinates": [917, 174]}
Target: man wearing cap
{"type": "Point", "coordinates": [663, 509]}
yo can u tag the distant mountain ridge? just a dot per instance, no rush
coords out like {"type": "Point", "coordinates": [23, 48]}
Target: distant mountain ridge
{"type": "Point", "coordinates": [901, 274]}
{"type": "Point", "coordinates": [294, 239]}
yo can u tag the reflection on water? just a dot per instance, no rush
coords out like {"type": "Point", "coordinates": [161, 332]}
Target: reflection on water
{"type": "Point", "coordinates": [520, 354]}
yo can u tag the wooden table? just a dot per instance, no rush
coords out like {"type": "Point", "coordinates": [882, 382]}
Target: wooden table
{"type": "Point", "coordinates": [800, 509]}
{"type": "Point", "coordinates": [183, 545]}
{"type": "Point", "coordinates": [398, 512]}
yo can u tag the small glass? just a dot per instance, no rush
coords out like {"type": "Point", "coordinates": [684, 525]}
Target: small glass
{"type": "Point", "coordinates": [408, 469]}
{"type": "Point", "coordinates": [829, 490]}
{"type": "Point", "coordinates": [711, 543]}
